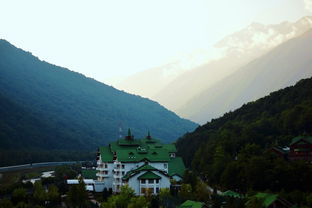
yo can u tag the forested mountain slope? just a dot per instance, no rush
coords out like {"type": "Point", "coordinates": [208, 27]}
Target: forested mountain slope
{"type": "Point", "coordinates": [67, 110]}
{"type": "Point", "coordinates": [272, 120]}
{"type": "Point", "coordinates": [232, 151]}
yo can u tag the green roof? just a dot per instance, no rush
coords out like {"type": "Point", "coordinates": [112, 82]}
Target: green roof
{"type": "Point", "coordinates": [149, 175]}
{"type": "Point", "coordinates": [170, 147]}
{"type": "Point", "coordinates": [138, 154]}
{"type": "Point", "coordinates": [136, 150]}
{"type": "Point", "coordinates": [130, 173]}
{"type": "Point", "coordinates": [192, 204]}
{"type": "Point", "coordinates": [298, 138]}
{"type": "Point", "coordinates": [267, 198]}
{"type": "Point", "coordinates": [230, 193]}
{"type": "Point", "coordinates": [106, 154]}
{"type": "Point", "coordinates": [280, 150]}
{"type": "Point", "coordinates": [150, 140]}
{"type": "Point", "coordinates": [176, 167]}
{"type": "Point", "coordinates": [89, 173]}
{"type": "Point", "coordinates": [127, 142]}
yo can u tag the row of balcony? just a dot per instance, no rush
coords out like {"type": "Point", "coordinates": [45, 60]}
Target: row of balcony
{"type": "Point", "coordinates": [101, 174]}
{"type": "Point", "coordinates": [101, 168]}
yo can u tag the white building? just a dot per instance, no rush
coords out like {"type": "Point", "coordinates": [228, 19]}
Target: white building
{"type": "Point", "coordinates": [145, 165]}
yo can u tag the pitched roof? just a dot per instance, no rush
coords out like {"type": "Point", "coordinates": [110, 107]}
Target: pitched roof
{"type": "Point", "coordinates": [191, 204]}
{"type": "Point", "coordinates": [141, 154]}
{"type": "Point", "coordinates": [298, 138]}
{"type": "Point", "coordinates": [106, 154]}
{"type": "Point", "coordinates": [176, 167]}
{"type": "Point", "coordinates": [230, 193]}
{"type": "Point", "coordinates": [136, 150]}
{"type": "Point", "coordinates": [130, 173]}
{"type": "Point", "coordinates": [267, 198]}
{"type": "Point", "coordinates": [129, 142]}
{"type": "Point", "coordinates": [280, 150]}
{"type": "Point", "coordinates": [146, 167]}
{"type": "Point", "coordinates": [89, 173]}
{"type": "Point", "coordinates": [149, 175]}
{"type": "Point", "coordinates": [170, 147]}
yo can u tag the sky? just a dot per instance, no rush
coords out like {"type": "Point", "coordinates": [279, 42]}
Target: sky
{"type": "Point", "coordinates": [107, 39]}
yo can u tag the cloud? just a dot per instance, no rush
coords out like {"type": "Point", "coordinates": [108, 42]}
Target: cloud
{"type": "Point", "coordinates": [308, 5]}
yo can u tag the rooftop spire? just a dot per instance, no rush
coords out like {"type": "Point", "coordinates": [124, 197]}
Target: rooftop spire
{"type": "Point", "coordinates": [129, 136]}
{"type": "Point", "coordinates": [149, 135]}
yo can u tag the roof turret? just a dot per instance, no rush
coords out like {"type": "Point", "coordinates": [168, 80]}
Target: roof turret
{"type": "Point", "coordinates": [129, 136]}
{"type": "Point", "coordinates": [148, 135]}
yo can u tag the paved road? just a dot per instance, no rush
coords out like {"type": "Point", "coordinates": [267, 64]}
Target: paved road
{"type": "Point", "coordinates": [35, 165]}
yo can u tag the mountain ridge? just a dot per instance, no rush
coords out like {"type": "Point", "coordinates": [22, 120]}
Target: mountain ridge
{"type": "Point", "coordinates": [89, 111]}
{"type": "Point", "coordinates": [281, 67]}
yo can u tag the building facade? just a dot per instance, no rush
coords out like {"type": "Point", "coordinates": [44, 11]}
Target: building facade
{"type": "Point", "coordinates": [301, 148]}
{"type": "Point", "coordinates": [146, 165]}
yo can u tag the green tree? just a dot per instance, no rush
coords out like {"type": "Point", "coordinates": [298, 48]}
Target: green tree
{"type": "Point", "coordinates": [140, 201]}
{"type": "Point", "coordinates": [19, 195]}
{"type": "Point", "coordinates": [121, 200]}
{"type": "Point", "coordinates": [23, 205]}
{"type": "Point", "coordinates": [126, 193]}
{"type": "Point", "coordinates": [53, 195]}
{"type": "Point", "coordinates": [186, 192]}
{"type": "Point", "coordinates": [39, 194]}
{"type": "Point", "coordinates": [201, 192]}
{"type": "Point", "coordinates": [6, 203]}
{"type": "Point", "coordinates": [254, 202]}
{"type": "Point", "coordinates": [164, 196]}
{"type": "Point", "coordinates": [77, 195]}
{"type": "Point", "coordinates": [309, 200]}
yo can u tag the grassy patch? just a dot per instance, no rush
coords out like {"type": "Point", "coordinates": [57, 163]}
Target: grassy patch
{"type": "Point", "coordinates": [9, 178]}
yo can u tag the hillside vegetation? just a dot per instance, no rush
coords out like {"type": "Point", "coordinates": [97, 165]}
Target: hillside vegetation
{"type": "Point", "coordinates": [231, 152]}
{"type": "Point", "coordinates": [46, 107]}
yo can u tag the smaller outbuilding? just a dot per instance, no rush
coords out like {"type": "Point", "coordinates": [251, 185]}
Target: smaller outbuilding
{"type": "Point", "coordinates": [192, 204]}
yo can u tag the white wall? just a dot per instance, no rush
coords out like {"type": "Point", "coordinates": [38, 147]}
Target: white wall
{"type": "Point", "coordinates": [107, 182]}
{"type": "Point", "coordinates": [176, 178]}
{"type": "Point", "coordinates": [134, 182]}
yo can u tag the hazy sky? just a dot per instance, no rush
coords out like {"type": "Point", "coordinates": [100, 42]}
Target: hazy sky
{"type": "Point", "coordinates": [105, 39]}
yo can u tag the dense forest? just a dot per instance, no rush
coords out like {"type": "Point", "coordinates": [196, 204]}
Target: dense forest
{"type": "Point", "coordinates": [46, 107]}
{"type": "Point", "coordinates": [232, 152]}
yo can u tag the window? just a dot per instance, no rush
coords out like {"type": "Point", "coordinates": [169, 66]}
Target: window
{"type": "Point", "coordinates": [143, 190]}
{"type": "Point", "coordinates": [157, 180]}
{"type": "Point", "coordinates": [165, 165]}
{"type": "Point", "coordinates": [122, 166]}
{"type": "Point", "coordinates": [157, 190]}
{"type": "Point", "coordinates": [143, 181]}
{"type": "Point", "coordinates": [105, 165]}
{"type": "Point", "coordinates": [123, 172]}
{"type": "Point", "coordinates": [150, 181]}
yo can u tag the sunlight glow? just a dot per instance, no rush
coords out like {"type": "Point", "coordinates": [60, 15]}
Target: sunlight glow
{"type": "Point", "coordinates": [107, 39]}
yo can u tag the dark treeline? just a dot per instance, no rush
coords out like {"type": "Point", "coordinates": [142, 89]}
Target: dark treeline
{"type": "Point", "coordinates": [231, 152]}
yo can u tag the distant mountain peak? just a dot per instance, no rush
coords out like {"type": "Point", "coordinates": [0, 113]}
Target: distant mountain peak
{"type": "Point", "coordinates": [258, 38]}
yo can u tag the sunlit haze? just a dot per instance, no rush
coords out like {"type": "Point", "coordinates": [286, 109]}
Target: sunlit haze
{"type": "Point", "coordinates": [110, 39]}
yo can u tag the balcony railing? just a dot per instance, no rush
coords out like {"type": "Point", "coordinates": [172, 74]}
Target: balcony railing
{"type": "Point", "coordinates": [99, 174]}
{"type": "Point", "coordinates": [101, 168]}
